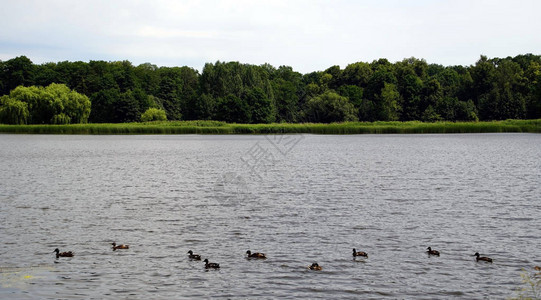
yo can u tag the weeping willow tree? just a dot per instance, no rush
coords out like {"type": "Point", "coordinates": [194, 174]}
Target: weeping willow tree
{"type": "Point", "coordinates": [54, 104]}
{"type": "Point", "coordinates": [13, 111]}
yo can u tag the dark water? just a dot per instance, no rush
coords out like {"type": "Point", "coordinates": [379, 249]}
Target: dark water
{"type": "Point", "coordinates": [299, 199]}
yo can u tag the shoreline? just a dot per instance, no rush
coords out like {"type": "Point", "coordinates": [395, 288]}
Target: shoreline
{"type": "Point", "coordinates": [215, 127]}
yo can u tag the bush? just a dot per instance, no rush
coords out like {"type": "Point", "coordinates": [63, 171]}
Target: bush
{"type": "Point", "coordinates": [153, 114]}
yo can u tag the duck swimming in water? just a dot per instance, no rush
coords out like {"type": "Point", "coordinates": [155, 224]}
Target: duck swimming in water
{"type": "Point", "coordinates": [255, 255]}
{"type": "Point", "coordinates": [315, 267]}
{"type": "Point", "coordinates": [194, 256]}
{"type": "Point", "coordinates": [432, 252]}
{"type": "Point", "coordinates": [360, 253]}
{"type": "Point", "coordinates": [115, 246]}
{"type": "Point", "coordinates": [482, 258]}
{"type": "Point", "coordinates": [63, 254]}
{"type": "Point", "coordinates": [211, 265]}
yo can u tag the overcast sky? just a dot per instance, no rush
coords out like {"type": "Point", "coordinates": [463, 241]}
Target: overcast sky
{"type": "Point", "coordinates": [309, 35]}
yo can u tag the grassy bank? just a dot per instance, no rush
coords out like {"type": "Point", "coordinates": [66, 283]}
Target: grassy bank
{"type": "Point", "coordinates": [215, 127]}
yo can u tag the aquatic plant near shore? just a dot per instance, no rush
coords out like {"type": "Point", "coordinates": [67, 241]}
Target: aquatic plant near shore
{"type": "Point", "coordinates": [531, 289]}
{"type": "Point", "coordinates": [217, 127]}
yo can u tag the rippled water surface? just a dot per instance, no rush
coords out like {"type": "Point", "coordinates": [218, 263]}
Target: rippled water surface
{"type": "Point", "coordinates": [298, 198]}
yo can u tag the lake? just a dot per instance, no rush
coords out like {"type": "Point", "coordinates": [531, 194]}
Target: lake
{"type": "Point", "coordinates": [298, 198]}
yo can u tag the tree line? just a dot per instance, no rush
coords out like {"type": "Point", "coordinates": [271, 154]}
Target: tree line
{"type": "Point", "coordinates": [411, 89]}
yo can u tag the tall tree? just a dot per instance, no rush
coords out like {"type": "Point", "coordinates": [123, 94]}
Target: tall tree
{"type": "Point", "coordinates": [389, 104]}
{"type": "Point", "coordinates": [358, 74]}
{"type": "Point", "coordinates": [16, 72]}
{"type": "Point", "coordinates": [103, 106]}
{"type": "Point", "coordinates": [262, 108]}
{"type": "Point", "coordinates": [329, 107]}
{"type": "Point", "coordinates": [189, 94]}
{"type": "Point", "coordinates": [54, 104]}
{"type": "Point", "coordinates": [287, 100]}
{"type": "Point", "coordinates": [232, 109]}
{"type": "Point", "coordinates": [170, 91]}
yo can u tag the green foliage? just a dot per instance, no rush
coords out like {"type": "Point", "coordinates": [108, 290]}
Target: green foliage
{"type": "Point", "coordinates": [16, 72]}
{"type": "Point", "coordinates": [103, 105]}
{"type": "Point", "coordinates": [153, 114]}
{"type": "Point", "coordinates": [389, 106]}
{"type": "Point", "coordinates": [430, 115]}
{"type": "Point", "coordinates": [127, 108]}
{"type": "Point", "coordinates": [353, 92]}
{"type": "Point", "coordinates": [312, 90]}
{"type": "Point", "coordinates": [74, 107]}
{"type": "Point", "coordinates": [232, 109]}
{"type": "Point", "coordinates": [54, 104]}
{"type": "Point", "coordinates": [247, 89]}
{"type": "Point", "coordinates": [330, 107]}
{"type": "Point", "coordinates": [205, 107]}
{"type": "Point", "coordinates": [13, 111]}
{"type": "Point", "coordinates": [170, 91]}
{"type": "Point", "coordinates": [60, 118]}
{"type": "Point", "coordinates": [491, 89]}
{"type": "Point", "coordinates": [410, 88]}
{"type": "Point", "coordinates": [465, 111]}
{"type": "Point", "coordinates": [216, 127]}
{"type": "Point", "coordinates": [287, 100]}
{"type": "Point", "coordinates": [357, 74]}
{"type": "Point", "coordinates": [262, 108]}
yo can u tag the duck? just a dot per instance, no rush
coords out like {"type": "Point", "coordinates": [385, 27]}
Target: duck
{"type": "Point", "coordinates": [211, 265]}
{"type": "Point", "coordinates": [63, 254]}
{"type": "Point", "coordinates": [194, 256]}
{"type": "Point", "coordinates": [315, 267]}
{"type": "Point", "coordinates": [256, 255]}
{"type": "Point", "coordinates": [360, 253]}
{"type": "Point", "coordinates": [432, 252]}
{"type": "Point", "coordinates": [115, 246]}
{"type": "Point", "coordinates": [482, 258]}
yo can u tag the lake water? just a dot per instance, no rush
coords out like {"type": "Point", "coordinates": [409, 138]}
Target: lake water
{"type": "Point", "coordinates": [298, 198]}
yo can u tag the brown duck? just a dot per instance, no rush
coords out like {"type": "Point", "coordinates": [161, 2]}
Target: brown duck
{"type": "Point", "coordinates": [360, 253]}
{"type": "Point", "coordinates": [115, 246]}
{"type": "Point", "coordinates": [211, 265]}
{"type": "Point", "coordinates": [482, 258]}
{"type": "Point", "coordinates": [194, 256]}
{"type": "Point", "coordinates": [432, 252]}
{"type": "Point", "coordinates": [255, 255]}
{"type": "Point", "coordinates": [63, 254]}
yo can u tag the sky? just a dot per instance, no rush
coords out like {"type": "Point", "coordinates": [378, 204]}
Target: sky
{"type": "Point", "coordinates": [308, 35]}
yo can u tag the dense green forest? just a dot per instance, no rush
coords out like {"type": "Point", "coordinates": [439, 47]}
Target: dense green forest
{"type": "Point", "coordinates": [116, 92]}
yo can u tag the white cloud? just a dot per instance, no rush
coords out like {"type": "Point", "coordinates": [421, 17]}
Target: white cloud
{"type": "Point", "coordinates": [307, 35]}
{"type": "Point", "coordinates": [166, 33]}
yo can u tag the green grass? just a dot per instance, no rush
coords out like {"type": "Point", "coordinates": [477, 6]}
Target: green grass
{"type": "Point", "coordinates": [217, 127]}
